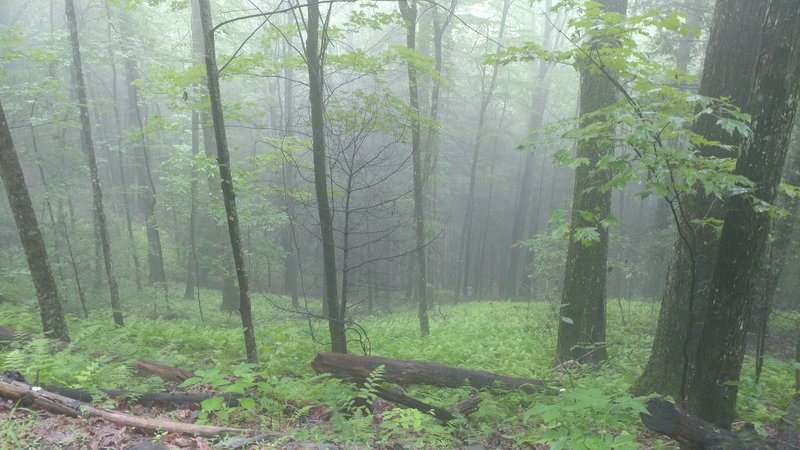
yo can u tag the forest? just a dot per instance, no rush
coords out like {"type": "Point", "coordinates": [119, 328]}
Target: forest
{"type": "Point", "coordinates": [399, 224]}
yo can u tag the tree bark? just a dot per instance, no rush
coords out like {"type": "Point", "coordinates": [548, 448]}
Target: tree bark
{"type": "Point", "coordinates": [147, 195]}
{"type": "Point", "coordinates": [734, 285]}
{"type": "Point", "coordinates": [316, 79]}
{"type": "Point", "coordinates": [226, 179]}
{"type": "Point", "coordinates": [53, 323]}
{"type": "Point", "coordinates": [409, 13]}
{"type": "Point", "coordinates": [727, 72]}
{"type": "Point", "coordinates": [692, 432]}
{"type": "Point", "coordinates": [120, 155]}
{"type": "Point", "coordinates": [88, 144]}
{"type": "Point", "coordinates": [405, 372]}
{"type": "Point", "coordinates": [582, 328]}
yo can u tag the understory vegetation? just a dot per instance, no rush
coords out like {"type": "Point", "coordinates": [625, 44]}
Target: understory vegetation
{"type": "Point", "coordinates": [585, 407]}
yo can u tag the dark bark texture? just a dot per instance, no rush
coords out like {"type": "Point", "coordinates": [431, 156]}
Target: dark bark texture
{"type": "Point", "coordinates": [30, 235]}
{"type": "Point", "coordinates": [692, 432]}
{"type": "Point", "coordinates": [88, 146]}
{"type": "Point", "coordinates": [405, 372]}
{"type": "Point", "coordinates": [409, 12]}
{"type": "Point", "coordinates": [226, 179]}
{"type": "Point", "coordinates": [730, 57]}
{"type": "Point", "coordinates": [582, 329]}
{"type": "Point", "coordinates": [336, 325]}
{"type": "Point", "coordinates": [734, 285]}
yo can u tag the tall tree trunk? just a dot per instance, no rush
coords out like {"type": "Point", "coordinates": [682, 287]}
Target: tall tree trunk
{"type": "Point", "coordinates": [541, 93]}
{"type": "Point", "coordinates": [48, 204]}
{"type": "Point", "coordinates": [19, 200]}
{"type": "Point", "coordinates": [291, 262]}
{"type": "Point", "coordinates": [466, 232]}
{"type": "Point", "coordinates": [727, 72]}
{"type": "Point", "coordinates": [432, 140]}
{"type": "Point", "coordinates": [213, 240]}
{"type": "Point", "coordinates": [582, 328]}
{"type": "Point", "coordinates": [734, 285]}
{"type": "Point", "coordinates": [409, 12]}
{"type": "Point", "coordinates": [147, 187]}
{"type": "Point", "coordinates": [88, 143]}
{"type": "Point", "coordinates": [314, 56]}
{"type": "Point", "coordinates": [226, 179]}
{"type": "Point", "coordinates": [120, 155]}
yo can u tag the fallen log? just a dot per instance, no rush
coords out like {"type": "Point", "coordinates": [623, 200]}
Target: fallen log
{"type": "Point", "coordinates": [149, 399]}
{"type": "Point", "coordinates": [692, 432]}
{"type": "Point", "coordinates": [400, 398]}
{"type": "Point", "coordinates": [143, 367]}
{"type": "Point", "coordinates": [25, 395]}
{"type": "Point", "coordinates": [407, 372]}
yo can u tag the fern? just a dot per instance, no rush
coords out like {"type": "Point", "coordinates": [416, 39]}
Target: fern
{"type": "Point", "coordinates": [368, 392]}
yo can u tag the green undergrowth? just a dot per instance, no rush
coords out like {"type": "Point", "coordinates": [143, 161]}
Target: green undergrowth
{"type": "Point", "coordinates": [585, 407]}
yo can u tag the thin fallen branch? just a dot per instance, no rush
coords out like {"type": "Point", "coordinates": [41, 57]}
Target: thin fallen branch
{"type": "Point", "coordinates": [406, 372]}
{"type": "Point", "coordinates": [29, 397]}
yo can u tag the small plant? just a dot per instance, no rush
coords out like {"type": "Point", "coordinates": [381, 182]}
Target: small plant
{"type": "Point", "coordinates": [587, 419]}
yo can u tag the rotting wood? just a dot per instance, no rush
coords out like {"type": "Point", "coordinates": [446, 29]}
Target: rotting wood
{"type": "Point", "coordinates": [694, 433]}
{"type": "Point", "coordinates": [408, 372]}
{"type": "Point", "coordinates": [149, 399]}
{"type": "Point", "coordinates": [29, 397]}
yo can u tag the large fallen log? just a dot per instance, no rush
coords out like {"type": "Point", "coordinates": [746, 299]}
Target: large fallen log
{"type": "Point", "coordinates": [143, 367]}
{"type": "Point", "coordinates": [27, 396]}
{"type": "Point", "coordinates": [406, 372]}
{"type": "Point", "coordinates": [694, 433]}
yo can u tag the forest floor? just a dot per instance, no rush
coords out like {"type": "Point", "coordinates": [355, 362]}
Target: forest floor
{"type": "Point", "coordinates": [588, 408]}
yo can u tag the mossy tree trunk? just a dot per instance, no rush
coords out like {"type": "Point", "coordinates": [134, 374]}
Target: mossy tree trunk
{"type": "Point", "coordinates": [582, 328]}
{"type": "Point", "coordinates": [226, 180]}
{"type": "Point", "coordinates": [30, 235]}
{"type": "Point", "coordinates": [735, 282]}
{"type": "Point", "coordinates": [727, 72]}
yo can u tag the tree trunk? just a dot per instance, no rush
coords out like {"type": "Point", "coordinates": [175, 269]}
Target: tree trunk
{"type": "Point", "coordinates": [291, 262]}
{"type": "Point", "coordinates": [772, 105]}
{"type": "Point", "coordinates": [409, 13]}
{"type": "Point", "coordinates": [432, 138]}
{"type": "Point", "coordinates": [582, 328]}
{"type": "Point", "coordinates": [487, 92]}
{"type": "Point", "coordinates": [316, 82]}
{"type": "Point", "coordinates": [405, 372]}
{"type": "Point", "coordinates": [541, 94]}
{"type": "Point", "coordinates": [728, 69]}
{"type": "Point", "coordinates": [19, 200]}
{"type": "Point", "coordinates": [88, 143]}
{"type": "Point", "coordinates": [226, 179]}
{"type": "Point", "coordinates": [120, 155]}
{"type": "Point", "coordinates": [692, 432]}
{"type": "Point", "coordinates": [147, 187]}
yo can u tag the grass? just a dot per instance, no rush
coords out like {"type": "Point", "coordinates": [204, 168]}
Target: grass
{"type": "Point", "coordinates": [593, 410]}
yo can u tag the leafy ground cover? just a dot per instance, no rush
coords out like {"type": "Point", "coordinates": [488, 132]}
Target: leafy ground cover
{"type": "Point", "coordinates": [590, 408]}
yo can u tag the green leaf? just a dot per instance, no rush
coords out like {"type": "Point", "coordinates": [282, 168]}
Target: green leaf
{"type": "Point", "coordinates": [212, 404]}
